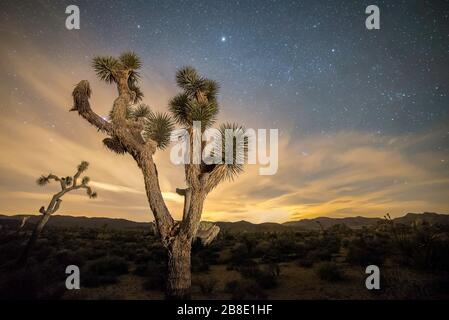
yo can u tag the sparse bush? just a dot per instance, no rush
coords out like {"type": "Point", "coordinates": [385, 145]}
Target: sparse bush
{"type": "Point", "coordinates": [207, 285]}
{"type": "Point", "coordinates": [104, 271]}
{"type": "Point", "coordinates": [329, 271]}
{"type": "Point", "coordinates": [30, 283]}
{"type": "Point", "coordinates": [305, 263]}
{"type": "Point", "coordinates": [265, 277]}
{"type": "Point", "coordinates": [245, 290]}
{"type": "Point", "coordinates": [199, 264]}
{"type": "Point", "coordinates": [365, 251]}
{"type": "Point", "coordinates": [154, 281]}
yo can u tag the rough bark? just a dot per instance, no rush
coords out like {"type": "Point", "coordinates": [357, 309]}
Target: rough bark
{"type": "Point", "coordinates": [32, 241]}
{"type": "Point", "coordinates": [163, 219]}
{"type": "Point", "coordinates": [179, 276]}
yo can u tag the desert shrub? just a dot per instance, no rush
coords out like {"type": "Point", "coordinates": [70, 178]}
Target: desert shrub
{"type": "Point", "coordinates": [266, 280]}
{"type": "Point", "coordinates": [421, 246]}
{"type": "Point", "coordinates": [154, 273]}
{"type": "Point", "coordinates": [397, 283]}
{"type": "Point", "coordinates": [305, 262]}
{"type": "Point", "coordinates": [158, 253]}
{"type": "Point", "coordinates": [329, 271]}
{"type": "Point", "coordinates": [199, 264]}
{"type": "Point", "coordinates": [245, 290]}
{"type": "Point", "coordinates": [31, 283]}
{"type": "Point", "coordinates": [146, 269]}
{"type": "Point", "coordinates": [319, 254]}
{"type": "Point", "coordinates": [439, 257]}
{"type": "Point", "coordinates": [154, 281]}
{"type": "Point", "coordinates": [104, 271]}
{"type": "Point", "coordinates": [141, 269]}
{"type": "Point", "coordinates": [239, 254]}
{"type": "Point", "coordinates": [248, 269]}
{"type": "Point", "coordinates": [141, 255]}
{"type": "Point", "coordinates": [203, 257]}
{"type": "Point", "coordinates": [274, 269]}
{"type": "Point", "coordinates": [10, 251]}
{"type": "Point", "coordinates": [365, 251]}
{"type": "Point", "coordinates": [68, 257]}
{"type": "Point", "coordinates": [231, 286]}
{"type": "Point", "coordinates": [320, 248]}
{"type": "Point", "coordinates": [207, 285]}
{"type": "Point", "coordinates": [265, 277]}
{"type": "Point", "coordinates": [43, 253]}
{"type": "Point", "coordinates": [262, 248]}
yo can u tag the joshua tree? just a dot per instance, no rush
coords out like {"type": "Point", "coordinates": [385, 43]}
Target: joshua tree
{"type": "Point", "coordinates": [140, 132]}
{"type": "Point", "coordinates": [68, 184]}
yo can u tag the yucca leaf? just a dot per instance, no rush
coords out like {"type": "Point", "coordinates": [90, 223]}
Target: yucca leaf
{"type": "Point", "coordinates": [178, 108]}
{"type": "Point", "coordinates": [141, 111]}
{"type": "Point", "coordinates": [130, 60]}
{"type": "Point", "coordinates": [158, 128]}
{"type": "Point", "coordinates": [239, 150]}
{"type": "Point", "coordinates": [83, 166]}
{"type": "Point", "coordinates": [188, 79]}
{"type": "Point", "coordinates": [105, 67]}
{"type": "Point", "coordinates": [211, 88]}
{"type": "Point", "coordinates": [85, 180]}
{"type": "Point", "coordinates": [205, 112]}
{"type": "Point", "coordinates": [42, 180]}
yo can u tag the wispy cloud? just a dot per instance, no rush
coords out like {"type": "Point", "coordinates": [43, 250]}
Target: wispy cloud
{"type": "Point", "coordinates": [348, 173]}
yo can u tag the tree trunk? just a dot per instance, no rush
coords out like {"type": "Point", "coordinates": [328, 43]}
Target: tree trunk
{"type": "Point", "coordinates": [179, 279]}
{"type": "Point", "coordinates": [32, 241]}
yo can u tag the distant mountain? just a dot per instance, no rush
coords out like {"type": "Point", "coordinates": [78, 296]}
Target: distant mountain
{"type": "Point", "coordinates": [359, 222]}
{"type": "Point", "coordinates": [245, 226]}
{"type": "Point", "coordinates": [326, 222]}
{"type": "Point", "coordinates": [83, 222]}
{"type": "Point", "coordinates": [431, 217]}
{"type": "Point", "coordinates": [239, 226]}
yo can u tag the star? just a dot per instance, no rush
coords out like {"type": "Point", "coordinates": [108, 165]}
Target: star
{"type": "Point", "coordinates": [223, 39]}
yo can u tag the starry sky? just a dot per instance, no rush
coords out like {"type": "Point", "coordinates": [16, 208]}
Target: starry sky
{"type": "Point", "coordinates": [362, 114]}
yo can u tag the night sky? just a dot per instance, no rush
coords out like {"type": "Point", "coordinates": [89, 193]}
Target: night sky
{"type": "Point", "coordinates": [362, 114]}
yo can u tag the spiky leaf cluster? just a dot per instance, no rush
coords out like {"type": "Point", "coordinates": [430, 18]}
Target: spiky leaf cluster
{"type": "Point", "coordinates": [90, 193]}
{"type": "Point", "coordinates": [158, 128]}
{"type": "Point", "coordinates": [83, 166]}
{"type": "Point", "coordinates": [141, 111]}
{"type": "Point", "coordinates": [239, 149]}
{"type": "Point", "coordinates": [130, 60]}
{"type": "Point", "coordinates": [107, 68]}
{"type": "Point", "coordinates": [85, 180]}
{"type": "Point", "coordinates": [198, 102]}
{"type": "Point", "coordinates": [67, 181]}
{"type": "Point", "coordinates": [42, 180]}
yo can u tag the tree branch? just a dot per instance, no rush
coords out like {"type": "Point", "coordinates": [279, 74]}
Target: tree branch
{"type": "Point", "coordinates": [187, 193]}
{"type": "Point", "coordinates": [81, 95]}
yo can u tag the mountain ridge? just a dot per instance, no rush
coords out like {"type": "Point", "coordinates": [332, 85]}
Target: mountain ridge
{"type": "Point", "coordinates": [237, 226]}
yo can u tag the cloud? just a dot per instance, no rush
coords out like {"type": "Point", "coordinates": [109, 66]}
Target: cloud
{"type": "Point", "coordinates": [114, 187]}
{"type": "Point", "coordinates": [348, 173]}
